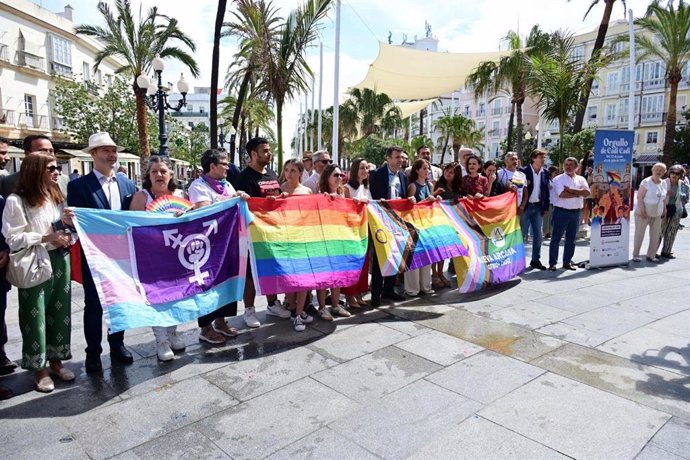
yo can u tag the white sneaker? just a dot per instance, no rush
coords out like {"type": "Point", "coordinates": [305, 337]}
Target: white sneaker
{"type": "Point", "coordinates": [176, 343]}
{"type": "Point", "coordinates": [164, 351]}
{"type": "Point", "coordinates": [250, 318]}
{"type": "Point", "coordinates": [299, 323]}
{"type": "Point", "coordinates": [278, 309]}
{"type": "Point", "coordinates": [306, 319]}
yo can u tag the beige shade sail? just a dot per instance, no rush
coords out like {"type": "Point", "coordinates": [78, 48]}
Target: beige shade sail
{"type": "Point", "coordinates": [405, 73]}
{"type": "Point", "coordinates": [410, 107]}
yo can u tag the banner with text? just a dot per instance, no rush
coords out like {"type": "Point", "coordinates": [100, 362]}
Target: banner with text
{"type": "Point", "coordinates": [611, 197]}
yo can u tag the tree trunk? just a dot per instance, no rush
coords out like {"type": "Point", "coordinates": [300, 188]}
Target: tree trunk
{"type": "Point", "coordinates": [279, 132]}
{"type": "Point", "coordinates": [670, 134]}
{"type": "Point", "coordinates": [213, 109]}
{"type": "Point", "coordinates": [511, 121]}
{"type": "Point", "coordinates": [142, 127]}
{"type": "Point", "coordinates": [445, 146]}
{"type": "Point", "coordinates": [598, 45]}
{"type": "Point", "coordinates": [241, 94]}
{"type": "Point", "coordinates": [421, 121]}
{"type": "Point", "coordinates": [518, 142]}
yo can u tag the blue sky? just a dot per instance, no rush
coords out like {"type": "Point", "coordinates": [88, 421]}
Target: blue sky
{"type": "Point", "coordinates": [460, 26]}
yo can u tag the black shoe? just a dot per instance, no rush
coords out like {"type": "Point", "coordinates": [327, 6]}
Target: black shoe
{"type": "Point", "coordinates": [375, 302]}
{"type": "Point", "coordinates": [311, 310]}
{"type": "Point", "coordinates": [538, 265]}
{"type": "Point", "coordinates": [394, 296]}
{"type": "Point", "coordinates": [6, 365]}
{"type": "Point", "coordinates": [93, 364]}
{"type": "Point", "coordinates": [569, 267]}
{"type": "Point", "coordinates": [121, 354]}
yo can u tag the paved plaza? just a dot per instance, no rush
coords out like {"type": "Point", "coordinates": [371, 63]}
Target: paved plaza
{"type": "Point", "coordinates": [586, 364]}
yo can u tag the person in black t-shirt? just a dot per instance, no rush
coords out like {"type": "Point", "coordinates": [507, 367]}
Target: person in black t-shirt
{"type": "Point", "coordinates": [259, 181]}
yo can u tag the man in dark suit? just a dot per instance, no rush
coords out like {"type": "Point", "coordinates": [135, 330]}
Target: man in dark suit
{"type": "Point", "coordinates": [535, 203]}
{"type": "Point", "coordinates": [102, 188]}
{"type": "Point", "coordinates": [386, 183]}
{"type": "Point", "coordinates": [34, 143]}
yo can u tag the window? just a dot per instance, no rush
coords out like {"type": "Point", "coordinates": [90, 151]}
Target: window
{"type": "Point", "coordinates": [62, 56]}
{"type": "Point", "coordinates": [498, 106]}
{"type": "Point", "coordinates": [652, 107]}
{"type": "Point", "coordinates": [86, 71]}
{"type": "Point", "coordinates": [29, 103]}
{"type": "Point", "coordinates": [612, 83]}
{"type": "Point", "coordinates": [190, 108]}
{"type": "Point", "coordinates": [653, 137]}
{"type": "Point", "coordinates": [496, 127]}
{"type": "Point", "coordinates": [99, 77]}
{"type": "Point", "coordinates": [654, 73]}
{"type": "Point", "coordinates": [109, 80]}
{"type": "Point", "coordinates": [578, 53]}
{"type": "Point", "coordinates": [482, 109]}
{"type": "Point", "coordinates": [466, 110]}
{"type": "Point", "coordinates": [611, 114]}
{"type": "Point", "coordinates": [592, 112]}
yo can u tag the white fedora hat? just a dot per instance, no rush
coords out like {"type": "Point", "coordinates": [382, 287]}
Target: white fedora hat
{"type": "Point", "coordinates": [102, 139]}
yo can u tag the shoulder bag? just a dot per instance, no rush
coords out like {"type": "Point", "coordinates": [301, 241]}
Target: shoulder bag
{"type": "Point", "coordinates": [30, 266]}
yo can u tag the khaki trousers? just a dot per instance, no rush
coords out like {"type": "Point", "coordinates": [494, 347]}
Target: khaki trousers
{"type": "Point", "coordinates": [641, 224]}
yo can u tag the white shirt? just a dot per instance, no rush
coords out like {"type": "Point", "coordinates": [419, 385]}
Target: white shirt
{"type": "Point", "coordinates": [576, 182]}
{"type": "Point", "coordinates": [435, 173]}
{"type": "Point", "coordinates": [306, 175]}
{"type": "Point", "coordinates": [111, 190]}
{"type": "Point", "coordinates": [199, 191]}
{"type": "Point", "coordinates": [313, 182]}
{"type": "Point", "coordinates": [653, 197]}
{"type": "Point", "coordinates": [536, 183]}
{"type": "Point", "coordinates": [20, 233]}
{"type": "Point", "coordinates": [505, 176]}
{"type": "Point", "coordinates": [361, 193]}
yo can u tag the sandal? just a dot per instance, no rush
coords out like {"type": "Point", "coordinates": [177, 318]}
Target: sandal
{"type": "Point", "coordinates": [63, 374]}
{"type": "Point", "coordinates": [325, 315]}
{"type": "Point", "coordinates": [226, 330]}
{"type": "Point", "coordinates": [655, 259]}
{"type": "Point", "coordinates": [552, 268]}
{"type": "Point", "coordinates": [636, 259]}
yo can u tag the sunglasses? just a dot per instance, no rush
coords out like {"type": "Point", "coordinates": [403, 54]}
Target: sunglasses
{"type": "Point", "coordinates": [338, 175]}
{"type": "Point", "coordinates": [674, 174]}
{"type": "Point", "coordinates": [223, 163]}
{"type": "Point", "coordinates": [52, 168]}
{"type": "Point", "coordinates": [326, 162]}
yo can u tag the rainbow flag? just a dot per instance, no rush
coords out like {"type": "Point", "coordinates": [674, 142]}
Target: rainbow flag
{"type": "Point", "coordinates": [614, 178]}
{"type": "Point", "coordinates": [490, 228]}
{"type": "Point", "coordinates": [155, 269]}
{"type": "Point", "coordinates": [306, 242]}
{"type": "Point", "coordinates": [407, 236]}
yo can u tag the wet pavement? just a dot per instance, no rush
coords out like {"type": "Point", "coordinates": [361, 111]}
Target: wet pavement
{"type": "Point", "coordinates": [584, 364]}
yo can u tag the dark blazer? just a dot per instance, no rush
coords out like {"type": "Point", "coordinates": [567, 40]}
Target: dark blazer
{"type": "Point", "coordinates": [86, 192]}
{"type": "Point", "coordinates": [543, 186]}
{"type": "Point", "coordinates": [378, 183]}
{"type": "Point", "coordinates": [8, 184]}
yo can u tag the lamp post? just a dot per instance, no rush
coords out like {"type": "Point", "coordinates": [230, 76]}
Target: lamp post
{"type": "Point", "coordinates": [221, 136]}
{"type": "Point", "coordinates": [157, 100]}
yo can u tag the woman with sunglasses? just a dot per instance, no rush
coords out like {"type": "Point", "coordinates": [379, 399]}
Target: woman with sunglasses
{"type": "Point", "coordinates": [36, 215]}
{"type": "Point", "coordinates": [331, 183]}
{"type": "Point", "coordinates": [677, 195]}
{"type": "Point", "coordinates": [293, 171]}
{"type": "Point", "coordinates": [159, 181]}
{"type": "Point", "coordinates": [357, 188]}
{"type": "Point", "coordinates": [444, 188]}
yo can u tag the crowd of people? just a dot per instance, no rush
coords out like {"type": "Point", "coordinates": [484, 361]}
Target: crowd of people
{"type": "Point", "coordinates": [37, 213]}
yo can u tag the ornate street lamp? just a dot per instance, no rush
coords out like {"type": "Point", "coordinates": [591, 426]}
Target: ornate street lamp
{"type": "Point", "coordinates": [157, 100]}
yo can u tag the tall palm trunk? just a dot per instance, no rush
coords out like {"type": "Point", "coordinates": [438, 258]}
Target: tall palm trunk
{"type": "Point", "coordinates": [518, 113]}
{"type": "Point", "coordinates": [142, 127]}
{"type": "Point", "coordinates": [213, 110]}
{"type": "Point", "coordinates": [279, 129]}
{"type": "Point", "coordinates": [511, 121]}
{"type": "Point", "coordinates": [241, 95]}
{"type": "Point", "coordinates": [598, 45]}
{"type": "Point", "coordinates": [670, 134]}
{"type": "Point", "coordinates": [445, 146]}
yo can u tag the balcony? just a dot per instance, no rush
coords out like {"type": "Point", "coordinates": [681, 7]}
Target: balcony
{"type": "Point", "coordinates": [496, 111]}
{"type": "Point", "coordinates": [91, 87]}
{"type": "Point", "coordinates": [4, 53]}
{"type": "Point", "coordinates": [480, 113]}
{"type": "Point", "coordinates": [33, 121]}
{"type": "Point", "coordinates": [61, 69]}
{"type": "Point", "coordinates": [7, 117]}
{"type": "Point", "coordinates": [59, 123]}
{"type": "Point", "coordinates": [24, 59]}
{"type": "Point", "coordinates": [189, 114]}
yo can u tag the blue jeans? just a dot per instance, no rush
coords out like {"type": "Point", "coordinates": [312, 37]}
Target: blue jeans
{"type": "Point", "coordinates": [532, 217]}
{"type": "Point", "coordinates": [564, 221]}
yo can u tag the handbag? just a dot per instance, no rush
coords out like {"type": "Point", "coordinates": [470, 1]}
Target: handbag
{"type": "Point", "coordinates": [30, 266]}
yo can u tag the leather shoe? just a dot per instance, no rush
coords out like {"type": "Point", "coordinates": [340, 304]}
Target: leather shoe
{"type": "Point", "coordinates": [93, 364]}
{"type": "Point", "coordinates": [375, 302]}
{"type": "Point", "coordinates": [538, 265]}
{"type": "Point", "coordinates": [569, 267]}
{"type": "Point", "coordinates": [121, 354]}
{"type": "Point", "coordinates": [6, 366]}
{"type": "Point", "coordinates": [394, 296]}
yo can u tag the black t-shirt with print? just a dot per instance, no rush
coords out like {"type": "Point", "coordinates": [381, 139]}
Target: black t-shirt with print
{"type": "Point", "coordinates": [256, 184]}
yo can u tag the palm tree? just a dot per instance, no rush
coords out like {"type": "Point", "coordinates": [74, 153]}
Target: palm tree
{"type": "Point", "coordinates": [511, 72]}
{"type": "Point", "coordinates": [559, 80]}
{"type": "Point", "coordinates": [454, 128]}
{"type": "Point", "coordinates": [138, 42]}
{"type": "Point", "coordinates": [285, 69]}
{"type": "Point", "coordinates": [667, 39]}
{"type": "Point", "coordinates": [217, 32]}
{"type": "Point", "coordinates": [596, 51]}
{"type": "Point", "coordinates": [374, 110]}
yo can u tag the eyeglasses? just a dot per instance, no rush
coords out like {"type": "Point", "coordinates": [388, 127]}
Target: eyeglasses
{"type": "Point", "coordinates": [338, 175]}
{"type": "Point", "coordinates": [326, 162]}
{"type": "Point", "coordinates": [223, 163]}
{"type": "Point", "coordinates": [52, 168]}
{"type": "Point", "coordinates": [674, 174]}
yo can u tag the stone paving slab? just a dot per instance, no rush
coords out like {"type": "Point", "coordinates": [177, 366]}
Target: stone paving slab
{"type": "Point", "coordinates": [485, 376]}
{"type": "Point", "coordinates": [651, 386]}
{"type": "Point", "coordinates": [118, 427]}
{"type": "Point", "coordinates": [440, 348]}
{"type": "Point", "coordinates": [397, 425]}
{"type": "Point", "coordinates": [186, 443]}
{"type": "Point", "coordinates": [654, 452]}
{"type": "Point", "coordinates": [676, 324]}
{"type": "Point", "coordinates": [478, 438]}
{"type": "Point", "coordinates": [321, 444]}
{"type": "Point", "coordinates": [574, 334]}
{"type": "Point", "coordinates": [575, 419]}
{"type": "Point", "coordinates": [674, 438]}
{"type": "Point", "coordinates": [266, 424]}
{"type": "Point", "coordinates": [375, 375]}
{"type": "Point", "coordinates": [405, 326]}
{"type": "Point", "coordinates": [244, 380]}
{"type": "Point", "coordinates": [609, 321]}
{"type": "Point", "coordinates": [36, 438]}
{"type": "Point", "coordinates": [531, 315]}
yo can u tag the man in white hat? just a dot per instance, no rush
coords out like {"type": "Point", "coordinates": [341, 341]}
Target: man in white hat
{"type": "Point", "coordinates": [102, 188]}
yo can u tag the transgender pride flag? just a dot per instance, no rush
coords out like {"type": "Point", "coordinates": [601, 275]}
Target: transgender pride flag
{"type": "Point", "coordinates": [160, 270]}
